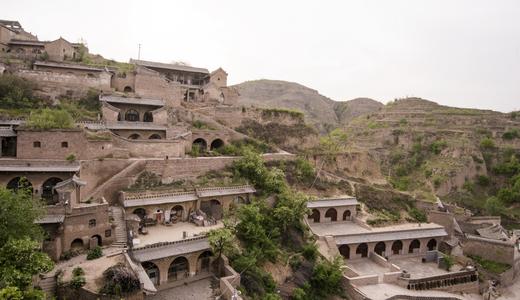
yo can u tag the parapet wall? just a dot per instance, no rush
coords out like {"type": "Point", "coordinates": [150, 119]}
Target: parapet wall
{"type": "Point", "coordinates": [495, 250]}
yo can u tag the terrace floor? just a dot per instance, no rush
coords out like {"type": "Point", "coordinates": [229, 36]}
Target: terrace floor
{"type": "Point", "coordinates": [349, 227]}
{"type": "Point", "coordinates": [418, 269]}
{"type": "Point", "coordinates": [162, 233]}
{"type": "Point", "coordinates": [365, 266]}
{"type": "Point", "coordinates": [384, 291]}
{"type": "Point", "coordinates": [200, 289]}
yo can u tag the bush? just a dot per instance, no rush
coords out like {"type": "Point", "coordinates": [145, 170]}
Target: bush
{"type": "Point", "coordinates": [487, 144]}
{"type": "Point", "coordinates": [418, 215]}
{"type": "Point", "coordinates": [437, 146]}
{"type": "Point", "coordinates": [326, 279]}
{"type": "Point", "coordinates": [94, 253]}
{"type": "Point", "coordinates": [71, 157]}
{"type": "Point", "coordinates": [299, 294]}
{"type": "Point", "coordinates": [16, 93]}
{"type": "Point", "coordinates": [119, 280]}
{"type": "Point", "coordinates": [310, 252]}
{"type": "Point", "coordinates": [511, 134]}
{"type": "Point", "coordinates": [494, 206]}
{"type": "Point", "coordinates": [50, 119]}
{"type": "Point", "coordinates": [77, 282]}
{"type": "Point", "coordinates": [78, 271]}
{"type": "Point", "coordinates": [483, 180]}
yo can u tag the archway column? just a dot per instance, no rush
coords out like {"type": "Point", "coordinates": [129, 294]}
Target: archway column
{"type": "Point", "coordinates": [192, 262]}
{"type": "Point", "coordinates": [406, 246]}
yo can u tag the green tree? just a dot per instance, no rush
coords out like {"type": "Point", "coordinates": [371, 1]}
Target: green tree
{"type": "Point", "coordinates": [494, 206]}
{"type": "Point", "coordinates": [20, 260]}
{"type": "Point", "coordinates": [16, 92]}
{"type": "Point", "coordinates": [221, 240]}
{"type": "Point", "coordinates": [15, 205]}
{"type": "Point", "coordinates": [326, 278]}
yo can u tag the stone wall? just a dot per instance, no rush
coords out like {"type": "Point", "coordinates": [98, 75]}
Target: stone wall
{"type": "Point", "coordinates": [54, 84]}
{"type": "Point", "coordinates": [151, 84]}
{"type": "Point", "coordinates": [499, 251]}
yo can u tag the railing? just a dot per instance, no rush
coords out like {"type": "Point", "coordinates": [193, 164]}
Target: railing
{"type": "Point", "coordinates": [162, 244]}
{"type": "Point", "coordinates": [441, 281]}
{"type": "Point", "coordinates": [181, 193]}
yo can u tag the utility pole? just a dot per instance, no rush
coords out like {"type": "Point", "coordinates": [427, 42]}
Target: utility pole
{"type": "Point", "coordinates": [139, 52]}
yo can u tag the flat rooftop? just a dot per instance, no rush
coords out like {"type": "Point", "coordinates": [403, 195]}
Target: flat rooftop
{"type": "Point", "coordinates": [163, 233]}
{"type": "Point", "coordinates": [348, 232]}
{"type": "Point", "coordinates": [383, 291]}
{"type": "Point", "coordinates": [333, 202]}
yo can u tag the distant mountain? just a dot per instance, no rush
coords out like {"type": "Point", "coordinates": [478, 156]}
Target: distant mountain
{"type": "Point", "coordinates": [318, 109]}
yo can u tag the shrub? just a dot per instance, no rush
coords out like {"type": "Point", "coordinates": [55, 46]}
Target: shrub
{"type": "Point", "coordinates": [304, 170]}
{"type": "Point", "coordinates": [483, 180]}
{"type": "Point", "coordinates": [310, 252]}
{"type": "Point", "coordinates": [119, 280]}
{"type": "Point", "coordinates": [299, 294]}
{"type": "Point", "coordinates": [487, 144]}
{"type": "Point", "coordinates": [511, 134]}
{"type": "Point", "coordinates": [418, 215]}
{"type": "Point", "coordinates": [16, 93]}
{"type": "Point", "coordinates": [77, 282]}
{"type": "Point", "coordinates": [326, 279]}
{"type": "Point", "coordinates": [71, 157]}
{"type": "Point", "coordinates": [494, 206]}
{"type": "Point", "coordinates": [437, 146]}
{"type": "Point", "coordinates": [94, 253]}
{"type": "Point", "coordinates": [50, 119]}
{"type": "Point", "coordinates": [78, 271]}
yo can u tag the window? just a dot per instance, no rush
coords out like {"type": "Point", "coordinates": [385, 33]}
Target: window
{"type": "Point", "coordinates": [92, 223]}
{"type": "Point", "coordinates": [64, 144]}
{"type": "Point", "coordinates": [37, 144]}
{"type": "Point", "coordinates": [108, 233]}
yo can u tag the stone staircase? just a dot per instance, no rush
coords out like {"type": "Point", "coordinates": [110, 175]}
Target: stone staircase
{"type": "Point", "coordinates": [120, 229]}
{"type": "Point", "coordinates": [48, 285]}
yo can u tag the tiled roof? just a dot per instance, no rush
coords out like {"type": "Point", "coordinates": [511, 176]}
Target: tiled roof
{"type": "Point", "coordinates": [129, 100]}
{"type": "Point", "coordinates": [175, 67]}
{"type": "Point", "coordinates": [224, 191]}
{"type": "Point", "coordinates": [168, 249]}
{"type": "Point", "coordinates": [332, 202]}
{"type": "Point", "coordinates": [134, 125]}
{"type": "Point", "coordinates": [7, 132]}
{"type": "Point", "coordinates": [50, 219]}
{"type": "Point", "coordinates": [68, 66]}
{"type": "Point", "coordinates": [26, 43]}
{"type": "Point", "coordinates": [159, 199]}
{"type": "Point", "coordinates": [381, 236]}
{"type": "Point", "coordinates": [30, 168]}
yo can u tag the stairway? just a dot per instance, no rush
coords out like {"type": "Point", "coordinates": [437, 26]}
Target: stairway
{"type": "Point", "coordinates": [120, 230]}
{"type": "Point", "coordinates": [48, 285]}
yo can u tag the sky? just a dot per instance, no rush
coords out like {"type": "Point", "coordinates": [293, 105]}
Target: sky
{"type": "Point", "coordinates": [463, 53]}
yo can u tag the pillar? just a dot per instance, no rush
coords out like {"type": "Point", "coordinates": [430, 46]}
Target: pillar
{"type": "Point", "coordinates": [192, 261]}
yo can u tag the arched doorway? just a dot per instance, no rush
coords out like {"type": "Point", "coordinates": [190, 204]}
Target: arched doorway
{"type": "Point", "coordinates": [217, 143]}
{"type": "Point", "coordinates": [119, 116]}
{"type": "Point", "coordinates": [415, 244]}
{"type": "Point", "coordinates": [315, 216]}
{"type": "Point", "coordinates": [346, 215]}
{"type": "Point", "coordinates": [148, 116]}
{"type": "Point", "coordinates": [48, 193]}
{"type": "Point", "coordinates": [77, 244]}
{"type": "Point", "coordinates": [200, 144]}
{"type": "Point", "coordinates": [98, 240]}
{"type": "Point", "coordinates": [344, 250]}
{"type": "Point", "coordinates": [132, 115]}
{"type": "Point", "coordinates": [432, 244]}
{"type": "Point", "coordinates": [127, 89]}
{"type": "Point", "coordinates": [212, 208]}
{"type": "Point", "coordinates": [140, 212]}
{"type": "Point", "coordinates": [152, 271]}
{"type": "Point", "coordinates": [362, 249]}
{"type": "Point", "coordinates": [203, 262]}
{"type": "Point", "coordinates": [380, 248]}
{"type": "Point", "coordinates": [176, 214]}
{"type": "Point", "coordinates": [20, 183]}
{"type": "Point", "coordinates": [332, 214]}
{"type": "Point", "coordinates": [179, 268]}
{"type": "Point", "coordinates": [154, 136]}
{"type": "Point", "coordinates": [397, 246]}
{"type": "Point", "coordinates": [134, 136]}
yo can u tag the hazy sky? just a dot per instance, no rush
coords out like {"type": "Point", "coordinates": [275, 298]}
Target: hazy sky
{"type": "Point", "coordinates": [455, 52]}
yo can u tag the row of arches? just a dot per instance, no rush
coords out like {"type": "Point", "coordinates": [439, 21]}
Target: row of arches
{"type": "Point", "coordinates": [380, 248]}
{"type": "Point", "coordinates": [202, 145]}
{"type": "Point", "coordinates": [48, 194]}
{"type": "Point", "coordinates": [331, 213]}
{"type": "Point", "coordinates": [137, 136]}
{"type": "Point", "coordinates": [133, 115]}
{"type": "Point", "coordinates": [179, 268]}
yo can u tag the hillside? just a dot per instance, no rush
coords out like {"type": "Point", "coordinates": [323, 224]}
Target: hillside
{"type": "Point", "coordinates": [318, 109]}
{"type": "Point", "coordinates": [427, 150]}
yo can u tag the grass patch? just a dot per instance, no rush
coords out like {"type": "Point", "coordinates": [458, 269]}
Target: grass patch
{"type": "Point", "coordinates": [489, 265]}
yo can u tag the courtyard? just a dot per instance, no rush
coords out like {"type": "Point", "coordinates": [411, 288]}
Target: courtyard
{"type": "Point", "coordinates": [174, 232]}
